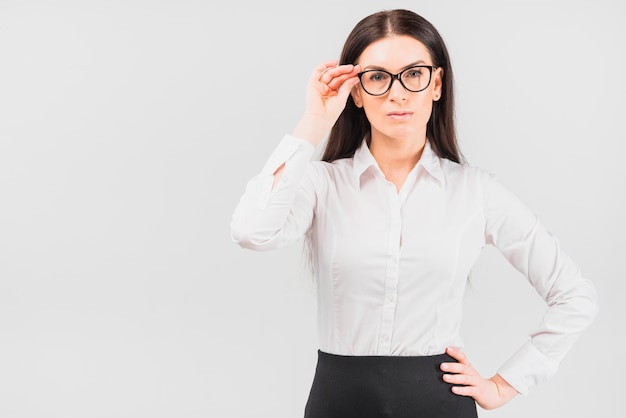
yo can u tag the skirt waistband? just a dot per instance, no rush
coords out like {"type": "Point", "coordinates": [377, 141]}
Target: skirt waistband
{"type": "Point", "coordinates": [384, 386]}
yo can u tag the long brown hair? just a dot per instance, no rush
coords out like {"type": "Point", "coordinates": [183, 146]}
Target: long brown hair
{"type": "Point", "coordinates": [352, 126]}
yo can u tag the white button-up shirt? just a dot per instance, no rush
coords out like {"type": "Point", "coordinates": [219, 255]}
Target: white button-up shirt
{"type": "Point", "coordinates": [391, 266]}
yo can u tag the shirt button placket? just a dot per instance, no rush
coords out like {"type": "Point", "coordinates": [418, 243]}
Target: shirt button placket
{"type": "Point", "coordinates": [391, 276]}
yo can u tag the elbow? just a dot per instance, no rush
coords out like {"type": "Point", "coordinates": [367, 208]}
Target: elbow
{"type": "Point", "coordinates": [581, 303]}
{"type": "Point", "coordinates": [588, 300]}
{"type": "Point", "coordinates": [251, 239]}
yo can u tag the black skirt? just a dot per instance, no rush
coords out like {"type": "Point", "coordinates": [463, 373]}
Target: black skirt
{"type": "Point", "coordinates": [384, 386]}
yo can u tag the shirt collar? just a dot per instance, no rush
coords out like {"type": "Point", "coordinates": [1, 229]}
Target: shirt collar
{"type": "Point", "coordinates": [430, 161]}
{"type": "Point", "coordinates": [362, 160]}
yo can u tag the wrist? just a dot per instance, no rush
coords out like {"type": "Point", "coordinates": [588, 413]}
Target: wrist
{"type": "Point", "coordinates": [506, 392]}
{"type": "Point", "coordinates": [311, 128]}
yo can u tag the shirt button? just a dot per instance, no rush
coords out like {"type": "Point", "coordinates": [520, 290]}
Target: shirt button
{"type": "Point", "coordinates": [385, 337]}
{"type": "Point", "coordinates": [391, 298]}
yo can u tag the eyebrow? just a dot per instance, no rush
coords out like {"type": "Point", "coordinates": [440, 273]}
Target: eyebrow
{"type": "Point", "coordinates": [376, 67]}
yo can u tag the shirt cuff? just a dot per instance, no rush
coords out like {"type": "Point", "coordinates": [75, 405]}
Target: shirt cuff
{"type": "Point", "coordinates": [527, 368]}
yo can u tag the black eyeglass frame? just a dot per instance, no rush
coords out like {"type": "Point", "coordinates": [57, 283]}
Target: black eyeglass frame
{"type": "Point", "coordinates": [431, 69]}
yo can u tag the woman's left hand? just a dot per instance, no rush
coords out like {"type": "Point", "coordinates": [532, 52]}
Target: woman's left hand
{"type": "Point", "coordinates": [488, 393]}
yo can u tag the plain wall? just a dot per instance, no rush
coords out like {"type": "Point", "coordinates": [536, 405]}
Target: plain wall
{"type": "Point", "coordinates": [128, 130]}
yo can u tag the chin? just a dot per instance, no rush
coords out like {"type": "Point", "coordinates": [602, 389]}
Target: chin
{"type": "Point", "coordinates": [401, 133]}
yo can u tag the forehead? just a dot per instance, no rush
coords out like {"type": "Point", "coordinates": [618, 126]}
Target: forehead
{"type": "Point", "coordinates": [394, 53]}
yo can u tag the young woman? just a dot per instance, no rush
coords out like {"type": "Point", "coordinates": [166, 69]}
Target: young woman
{"type": "Point", "coordinates": [395, 220]}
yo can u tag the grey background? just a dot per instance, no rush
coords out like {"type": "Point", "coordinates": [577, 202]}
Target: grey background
{"type": "Point", "coordinates": [128, 130]}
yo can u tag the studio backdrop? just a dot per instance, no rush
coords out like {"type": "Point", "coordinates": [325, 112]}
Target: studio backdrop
{"type": "Point", "coordinates": [128, 130]}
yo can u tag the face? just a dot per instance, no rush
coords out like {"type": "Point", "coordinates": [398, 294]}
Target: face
{"type": "Point", "coordinates": [398, 114]}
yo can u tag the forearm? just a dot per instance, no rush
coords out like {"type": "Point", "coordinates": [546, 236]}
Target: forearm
{"type": "Point", "coordinates": [311, 128]}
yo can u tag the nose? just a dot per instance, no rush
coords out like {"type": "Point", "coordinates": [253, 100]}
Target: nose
{"type": "Point", "coordinates": [397, 92]}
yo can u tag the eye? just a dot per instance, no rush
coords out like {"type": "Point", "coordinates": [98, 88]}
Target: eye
{"type": "Point", "coordinates": [413, 73]}
{"type": "Point", "coordinates": [377, 76]}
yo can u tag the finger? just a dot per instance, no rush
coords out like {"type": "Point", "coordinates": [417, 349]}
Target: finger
{"type": "Point", "coordinates": [461, 379]}
{"type": "Point", "coordinates": [338, 82]}
{"type": "Point", "coordinates": [341, 85]}
{"type": "Point", "coordinates": [465, 390]}
{"type": "Point", "coordinates": [322, 68]}
{"type": "Point", "coordinates": [458, 355]}
{"type": "Point", "coordinates": [347, 87]}
{"type": "Point", "coordinates": [332, 78]}
{"type": "Point", "coordinates": [457, 368]}
{"type": "Point", "coordinates": [338, 73]}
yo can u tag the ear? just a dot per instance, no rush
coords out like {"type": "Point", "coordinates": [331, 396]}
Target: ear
{"type": "Point", "coordinates": [437, 84]}
{"type": "Point", "coordinates": [356, 96]}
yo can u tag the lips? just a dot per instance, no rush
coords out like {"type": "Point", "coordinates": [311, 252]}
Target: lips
{"type": "Point", "coordinates": [400, 115]}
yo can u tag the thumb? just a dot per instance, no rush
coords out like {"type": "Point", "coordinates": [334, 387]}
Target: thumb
{"type": "Point", "coordinates": [346, 88]}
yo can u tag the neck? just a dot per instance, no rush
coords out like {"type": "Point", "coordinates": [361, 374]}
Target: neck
{"type": "Point", "coordinates": [396, 157]}
{"type": "Point", "coordinates": [397, 154]}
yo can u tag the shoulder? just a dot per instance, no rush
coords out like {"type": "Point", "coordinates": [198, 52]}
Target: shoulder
{"type": "Point", "coordinates": [457, 174]}
{"type": "Point", "coordinates": [341, 167]}
{"type": "Point", "coordinates": [322, 172]}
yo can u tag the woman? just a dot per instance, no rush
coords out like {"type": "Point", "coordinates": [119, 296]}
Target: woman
{"type": "Point", "coordinates": [395, 221]}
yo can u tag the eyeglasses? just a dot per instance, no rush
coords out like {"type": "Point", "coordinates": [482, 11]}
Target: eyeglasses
{"type": "Point", "coordinates": [414, 79]}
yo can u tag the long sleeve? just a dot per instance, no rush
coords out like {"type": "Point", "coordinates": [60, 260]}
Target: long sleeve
{"type": "Point", "coordinates": [571, 299]}
{"type": "Point", "coordinates": [268, 218]}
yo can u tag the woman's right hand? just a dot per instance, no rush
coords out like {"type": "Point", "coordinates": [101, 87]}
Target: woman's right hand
{"type": "Point", "coordinates": [327, 93]}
